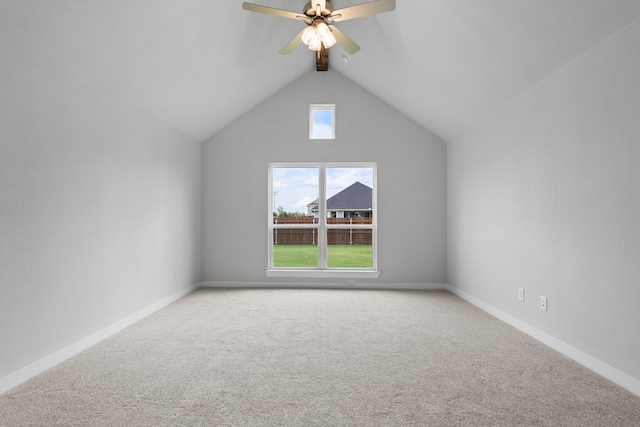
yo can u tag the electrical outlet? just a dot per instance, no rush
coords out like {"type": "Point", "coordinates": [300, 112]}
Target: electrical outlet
{"type": "Point", "coordinates": [351, 282]}
{"type": "Point", "coordinates": [521, 294]}
{"type": "Point", "coordinates": [543, 303]}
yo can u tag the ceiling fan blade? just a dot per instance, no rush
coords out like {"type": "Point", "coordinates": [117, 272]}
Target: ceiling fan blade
{"type": "Point", "coordinates": [292, 44]}
{"type": "Point", "coordinates": [345, 42]}
{"type": "Point", "coordinates": [364, 9]}
{"type": "Point", "coordinates": [272, 11]}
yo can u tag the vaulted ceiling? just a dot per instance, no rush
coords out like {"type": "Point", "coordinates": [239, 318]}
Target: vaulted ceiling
{"type": "Point", "coordinates": [200, 64]}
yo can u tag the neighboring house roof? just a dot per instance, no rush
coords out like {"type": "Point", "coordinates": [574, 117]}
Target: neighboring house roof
{"type": "Point", "coordinates": [356, 197]}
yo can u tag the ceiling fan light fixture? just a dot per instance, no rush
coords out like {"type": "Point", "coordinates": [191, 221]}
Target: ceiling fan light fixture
{"type": "Point", "coordinates": [308, 34]}
{"type": "Point", "coordinates": [315, 44]}
{"type": "Point", "coordinates": [325, 34]}
{"type": "Point", "coordinates": [330, 42]}
{"type": "Point", "coordinates": [322, 29]}
{"type": "Point", "coordinates": [320, 16]}
{"type": "Point", "coordinates": [316, 35]}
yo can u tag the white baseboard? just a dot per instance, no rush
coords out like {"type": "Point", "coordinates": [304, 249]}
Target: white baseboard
{"type": "Point", "coordinates": [30, 371]}
{"type": "Point", "coordinates": [599, 367]}
{"type": "Point", "coordinates": [323, 285]}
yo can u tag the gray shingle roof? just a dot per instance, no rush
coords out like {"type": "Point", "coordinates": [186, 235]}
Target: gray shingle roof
{"type": "Point", "coordinates": [355, 197]}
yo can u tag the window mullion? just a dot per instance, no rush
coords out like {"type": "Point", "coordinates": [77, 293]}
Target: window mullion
{"type": "Point", "coordinates": [322, 220]}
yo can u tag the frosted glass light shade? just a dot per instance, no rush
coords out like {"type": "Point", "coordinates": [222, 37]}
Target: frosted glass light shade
{"type": "Point", "coordinates": [308, 34]}
{"type": "Point", "coordinates": [322, 29]}
{"type": "Point", "coordinates": [315, 44]}
{"type": "Point", "coordinates": [326, 35]}
{"type": "Point", "coordinates": [316, 35]}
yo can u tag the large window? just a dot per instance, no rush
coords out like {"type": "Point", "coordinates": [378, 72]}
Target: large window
{"type": "Point", "coordinates": [322, 220]}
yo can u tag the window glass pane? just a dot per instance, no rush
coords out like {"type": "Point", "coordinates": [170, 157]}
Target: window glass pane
{"type": "Point", "coordinates": [349, 236]}
{"type": "Point", "coordinates": [295, 193]}
{"type": "Point", "coordinates": [350, 256]}
{"type": "Point", "coordinates": [295, 236]}
{"type": "Point", "coordinates": [295, 201]}
{"type": "Point", "coordinates": [349, 202]}
{"type": "Point", "coordinates": [322, 124]}
{"type": "Point", "coordinates": [295, 247]}
{"type": "Point", "coordinates": [349, 193]}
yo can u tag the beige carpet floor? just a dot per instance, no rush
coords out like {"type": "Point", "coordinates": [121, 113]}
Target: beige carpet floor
{"type": "Point", "coordinates": [286, 357]}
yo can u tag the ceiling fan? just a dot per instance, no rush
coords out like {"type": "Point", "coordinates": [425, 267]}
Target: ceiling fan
{"type": "Point", "coordinates": [320, 33]}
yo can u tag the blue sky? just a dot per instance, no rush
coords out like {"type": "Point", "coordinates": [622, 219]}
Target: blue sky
{"type": "Point", "coordinates": [322, 124]}
{"type": "Point", "coordinates": [294, 188]}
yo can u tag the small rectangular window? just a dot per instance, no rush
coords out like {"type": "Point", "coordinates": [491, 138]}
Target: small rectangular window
{"type": "Point", "coordinates": [322, 121]}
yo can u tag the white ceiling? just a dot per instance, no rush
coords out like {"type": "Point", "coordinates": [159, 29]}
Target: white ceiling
{"type": "Point", "coordinates": [200, 64]}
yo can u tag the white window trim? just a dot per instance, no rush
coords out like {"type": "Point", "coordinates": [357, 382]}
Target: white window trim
{"type": "Point", "coordinates": [324, 274]}
{"type": "Point", "coordinates": [317, 107]}
{"type": "Point", "coordinates": [321, 271]}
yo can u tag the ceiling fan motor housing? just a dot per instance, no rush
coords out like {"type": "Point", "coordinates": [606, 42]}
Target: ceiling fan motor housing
{"type": "Point", "coordinates": [310, 11]}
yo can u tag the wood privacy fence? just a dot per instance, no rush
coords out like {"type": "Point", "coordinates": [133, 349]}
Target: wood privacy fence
{"type": "Point", "coordinates": [309, 236]}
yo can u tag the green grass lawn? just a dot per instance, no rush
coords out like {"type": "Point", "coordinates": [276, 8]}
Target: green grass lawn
{"type": "Point", "coordinates": [338, 256]}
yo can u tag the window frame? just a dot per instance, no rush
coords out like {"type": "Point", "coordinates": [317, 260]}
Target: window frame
{"type": "Point", "coordinates": [322, 271]}
{"type": "Point", "coordinates": [322, 107]}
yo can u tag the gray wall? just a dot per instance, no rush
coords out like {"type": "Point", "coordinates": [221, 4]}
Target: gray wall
{"type": "Point", "coordinates": [99, 204]}
{"type": "Point", "coordinates": [545, 195]}
{"type": "Point", "coordinates": [411, 180]}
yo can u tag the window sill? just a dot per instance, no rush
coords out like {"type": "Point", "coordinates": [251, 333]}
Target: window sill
{"type": "Point", "coordinates": [326, 274]}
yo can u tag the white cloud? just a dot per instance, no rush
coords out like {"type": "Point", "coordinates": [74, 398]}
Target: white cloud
{"type": "Point", "coordinates": [322, 131]}
{"type": "Point", "coordinates": [340, 178]}
{"type": "Point", "coordinates": [302, 203]}
{"type": "Point", "coordinates": [295, 188]}
{"type": "Point", "coordinates": [312, 181]}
